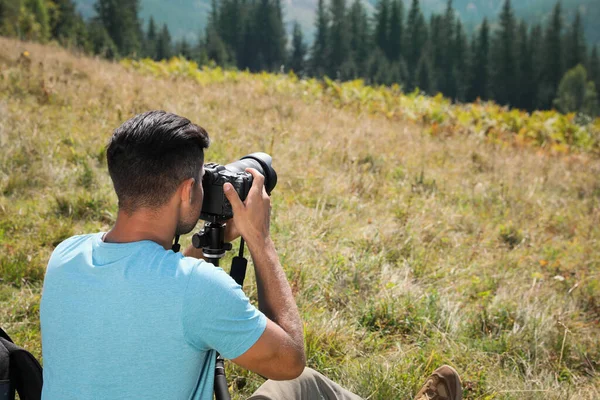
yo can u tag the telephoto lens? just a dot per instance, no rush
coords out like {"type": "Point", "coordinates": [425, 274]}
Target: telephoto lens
{"type": "Point", "coordinates": [216, 207]}
{"type": "Point", "coordinates": [260, 162]}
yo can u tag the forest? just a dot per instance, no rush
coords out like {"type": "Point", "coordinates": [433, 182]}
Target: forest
{"type": "Point", "coordinates": [537, 67]}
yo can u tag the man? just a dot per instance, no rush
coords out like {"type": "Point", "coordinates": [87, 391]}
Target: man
{"type": "Point", "coordinates": [125, 317]}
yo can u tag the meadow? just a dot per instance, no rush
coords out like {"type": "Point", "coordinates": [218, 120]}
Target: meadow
{"type": "Point", "coordinates": [414, 232]}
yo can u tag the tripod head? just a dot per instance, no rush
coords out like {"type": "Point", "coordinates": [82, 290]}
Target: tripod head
{"type": "Point", "coordinates": [211, 239]}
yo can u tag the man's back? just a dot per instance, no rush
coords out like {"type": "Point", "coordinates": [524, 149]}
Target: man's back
{"type": "Point", "coordinates": [132, 320]}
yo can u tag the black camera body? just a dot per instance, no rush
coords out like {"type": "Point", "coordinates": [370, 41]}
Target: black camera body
{"type": "Point", "coordinates": [216, 207]}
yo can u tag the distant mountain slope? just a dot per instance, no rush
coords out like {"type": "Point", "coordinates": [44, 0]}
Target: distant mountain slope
{"type": "Point", "coordinates": [186, 18]}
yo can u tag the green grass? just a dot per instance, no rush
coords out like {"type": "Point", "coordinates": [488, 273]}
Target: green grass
{"type": "Point", "coordinates": [405, 250]}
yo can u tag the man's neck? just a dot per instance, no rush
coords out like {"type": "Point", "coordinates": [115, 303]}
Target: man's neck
{"type": "Point", "coordinates": [142, 225]}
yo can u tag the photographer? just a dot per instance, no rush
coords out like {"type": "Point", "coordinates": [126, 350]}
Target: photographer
{"type": "Point", "coordinates": [123, 316]}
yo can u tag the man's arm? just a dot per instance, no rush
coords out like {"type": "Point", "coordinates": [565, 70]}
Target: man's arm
{"type": "Point", "coordinates": [279, 352]}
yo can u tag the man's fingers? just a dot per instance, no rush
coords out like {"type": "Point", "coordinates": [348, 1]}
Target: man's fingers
{"type": "Point", "coordinates": [232, 196]}
{"type": "Point", "coordinates": [259, 179]}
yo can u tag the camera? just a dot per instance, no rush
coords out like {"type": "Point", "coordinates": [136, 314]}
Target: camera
{"type": "Point", "coordinates": [216, 207]}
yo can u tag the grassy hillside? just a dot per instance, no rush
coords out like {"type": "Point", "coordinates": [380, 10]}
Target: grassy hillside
{"type": "Point", "coordinates": [410, 239]}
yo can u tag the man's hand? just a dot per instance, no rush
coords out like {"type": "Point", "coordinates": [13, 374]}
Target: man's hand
{"type": "Point", "coordinates": [279, 352]}
{"type": "Point", "coordinates": [251, 219]}
{"type": "Point", "coordinates": [231, 231]}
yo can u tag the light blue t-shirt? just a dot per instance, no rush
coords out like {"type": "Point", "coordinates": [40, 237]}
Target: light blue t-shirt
{"type": "Point", "coordinates": [134, 321]}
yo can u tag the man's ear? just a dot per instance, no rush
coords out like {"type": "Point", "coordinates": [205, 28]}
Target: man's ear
{"type": "Point", "coordinates": [187, 190]}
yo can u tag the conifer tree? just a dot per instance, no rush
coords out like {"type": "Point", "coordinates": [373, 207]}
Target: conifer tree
{"type": "Point", "coordinates": [100, 41]}
{"type": "Point", "coordinates": [379, 71]}
{"type": "Point", "coordinates": [9, 17]}
{"type": "Point", "coordinates": [65, 24]}
{"type": "Point", "coordinates": [184, 49]}
{"type": "Point", "coordinates": [151, 38]}
{"type": "Point", "coordinates": [416, 37]}
{"type": "Point", "coordinates": [39, 11]}
{"type": "Point", "coordinates": [424, 74]}
{"type": "Point", "coordinates": [297, 57]}
{"type": "Point", "coordinates": [232, 19]}
{"type": "Point", "coordinates": [214, 47]}
{"type": "Point", "coordinates": [271, 37]}
{"type": "Point", "coordinates": [396, 32]}
{"type": "Point", "coordinates": [248, 57]}
{"type": "Point", "coordinates": [437, 50]}
{"type": "Point", "coordinates": [536, 40]}
{"type": "Point", "coordinates": [340, 45]}
{"type": "Point", "coordinates": [359, 37]}
{"type": "Point", "coordinates": [445, 78]}
{"type": "Point", "coordinates": [320, 50]}
{"type": "Point", "coordinates": [553, 67]}
{"type": "Point", "coordinates": [594, 67]}
{"type": "Point", "coordinates": [382, 20]}
{"type": "Point", "coordinates": [163, 44]}
{"type": "Point", "coordinates": [526, 76]}
{"type": "Point", "coordinates": [120, 19]}
{"type": "Point", "coordinates": [460, 55]}
{"type": "Point", "coordinates": [575, 47]}
{"type": "Point", "coordinates": [480, 82]}
{"type": "Point", "coordinates": [81, 37]}
{"type": "Point", "coordinates": [504, 72]}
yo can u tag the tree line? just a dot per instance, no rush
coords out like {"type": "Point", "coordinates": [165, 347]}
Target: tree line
{"type": "Point", "coordinates": [510, 62]}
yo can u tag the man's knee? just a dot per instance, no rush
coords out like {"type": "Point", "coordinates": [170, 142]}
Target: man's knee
{"type": "Point", "coordinates": [309, 374]}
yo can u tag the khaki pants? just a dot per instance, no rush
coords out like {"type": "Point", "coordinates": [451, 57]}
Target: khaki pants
{"type": "Point", "coordinates": [311, 385]}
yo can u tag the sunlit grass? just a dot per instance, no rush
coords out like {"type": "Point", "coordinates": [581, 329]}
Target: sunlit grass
{"type": "Point", "coordinates": [407, 244]}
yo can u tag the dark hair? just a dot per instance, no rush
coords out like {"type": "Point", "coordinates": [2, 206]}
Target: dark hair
{"type": "Point", "coordinates": [150, 155]}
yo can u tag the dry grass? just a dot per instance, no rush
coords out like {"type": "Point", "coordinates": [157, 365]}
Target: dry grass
{"type": "Point", "coordinates": [405, 251]}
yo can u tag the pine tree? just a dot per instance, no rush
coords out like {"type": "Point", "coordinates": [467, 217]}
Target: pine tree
{"type": "Point", "coordinates": [39, 11]}
{"type": "Point", "coordinates": [120, 19]}
{"type": "Point", "coordinates": [163, 44]}
{"type": "Point", "coordinates": [64, 26]}
{"type": "Point", "coordinates": [460, 55]}
{"type": "Point", "coordinates": [9, 17]}
{"type": "Point", "coordinates": [480, 80]}
{"type": "Point", "coordinates": [297, 57]}
{"type": "Point", "coordinates": [100, 41]}
{"type": "Point", "coordinates": [504, 72]}
{"type": "Point", "coordinates": [270, 37]}
{"type": "Point", "coordinates": [553, 67]}
{"type": "Point", "coordinates": [594, 67]}
{"type": "Point", "coordinates": [575, 47]}
{"type": "Point", "coordinates": [183, 49]}
{"type": "Point", "coordinates": [232, 19]}
{"type": "Point", "coordinates": [416, 37]}
{"type": "Point", "coordinates": [81, 36]}
{"type": "Point", "coordinates": [378, 68]}
{"type": "Point", "coordinates": [536, 40]}
{"type": "Point", "coordinates": [214, 48]}
{"type": "Point", "coordinates": [424, 75]}
{"type": "Point", "coordinates": [396, 32]}
{"type": "Point", "coordinates": [382, 20]}
{"type": "Point", "coordinates": [526, 76]}
{"type": "Point", "coordinates": [444, 67]}
{"type": "Point", "coordinates": [320, 50]}
{"type": "Point", "coordinates": [438, 43]}
{"type": "Point", "coordinates": [151, 38]}
{"type": "Point", "coordinates": [359, 37]}
{"type": "Point", "coordinates": [340, 45]}
{"type": "Point", "coordinates": [244, 54]}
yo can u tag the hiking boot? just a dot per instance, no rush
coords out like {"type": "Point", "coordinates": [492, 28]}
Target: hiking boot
{"type": "Point", "coordinates": [443, 384]}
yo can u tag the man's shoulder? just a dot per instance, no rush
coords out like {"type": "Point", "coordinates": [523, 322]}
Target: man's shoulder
{"type": "Point", "coordinates": [72, 243]}
{"type": "Point", "coordinates": [204, 271]}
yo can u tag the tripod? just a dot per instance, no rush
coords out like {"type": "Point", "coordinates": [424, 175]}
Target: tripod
{"type": "Point", "coordinates": [211, 239]}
